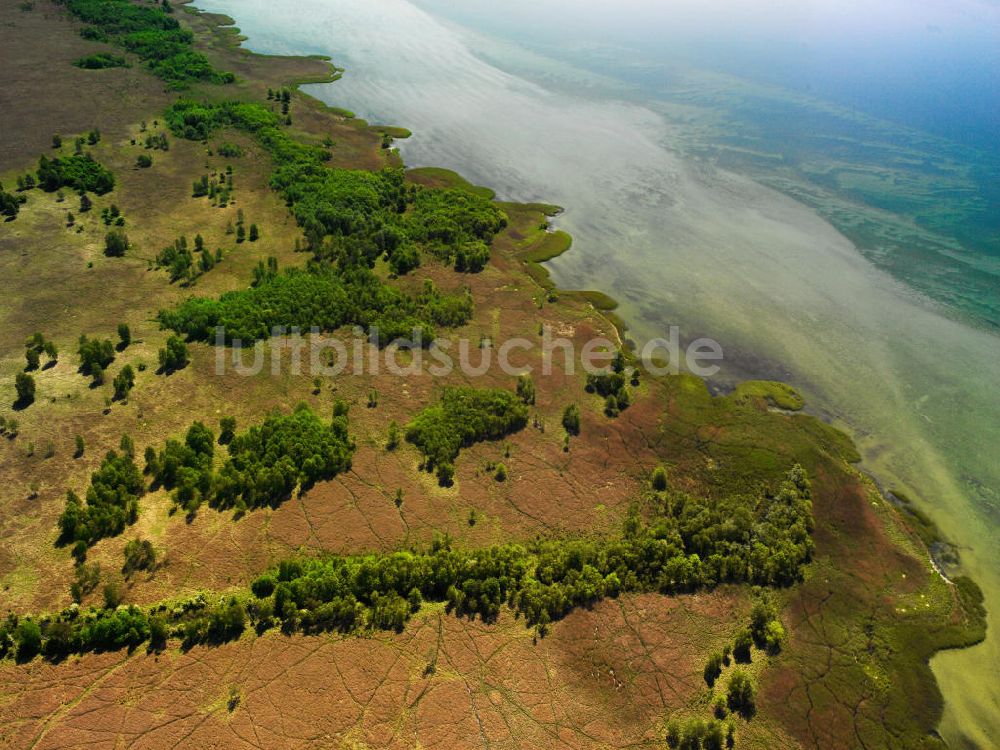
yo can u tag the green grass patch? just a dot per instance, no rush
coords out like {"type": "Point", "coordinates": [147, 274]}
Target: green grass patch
{"type": "Point", "coordinates": [778, 395]}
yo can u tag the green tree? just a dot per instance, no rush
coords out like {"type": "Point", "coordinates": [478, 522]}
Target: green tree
{"type": "Point", "coordinates": [114, 594]}
{"type": "Point", "coordinates": [124, 382]}
{"type": "Point", "coordinates": [526, 389]}
{"type": "Point", "coordinates": [139, 555]}
{"type": "Point", "coordinates": [742, 645]}
{"type": "Point", "coordinates": [740, 693]}
{"type": "Point", "coordinates": [85, 203]}
{"type": "Point", "coordinates": [658, 480]}
{"type": "Point", "coordinates": [124, 336]}
{"type": "Point", "coordinates": [254, 233]}
{"type": "Point", "coordinates": [28, 636]}
{"type": "Point", "coordinates": [116, 243]}
{"type": "Point", "coordinates": [31, 357]}
{"type": "Point", "coordinates": [57, 141]}
{"type": "Point", "coordinates": [241, 233]}
{"type": "Point", "coordinates": [144, 161]}
{"type": "Point", "coordinates": [174, 356]}
{"type": "Point", "coordinates": [81, 446]}
{"type": "Point", "coordinates": [392, 442]}
{"type": "Point", "coordinates": [571, 419]}
{"type": "Point", "coordinates": [227, 430]}
{"type": "Point", "coordinates": [713, 668]}
{"type": "Point", "coordinates": [24, 384]}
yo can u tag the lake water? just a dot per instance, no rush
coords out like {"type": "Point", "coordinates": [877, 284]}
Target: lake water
{"type": "Point", "coordinates": [834, 230]}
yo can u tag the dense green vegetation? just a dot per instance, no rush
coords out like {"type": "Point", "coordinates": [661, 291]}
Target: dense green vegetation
{"type": "Point", "coordinates": [351, 218]}
{"type": "Point", "coordinates": [322, 297]}
{"type": "Point", "coordinates": [462, 417]}
{"type": "Point", "coordinates": [95, 353]}
{"type": "Point", "coordinates": [112, 500]}
{"type": "Point", "coordinates": [686, 543]}
{"type": "Point", "coordinates": [99, 61]}
{"type": "Point", "coordinates": [10, 204]}
{"type": "Point", "coordinates": [265, 464]}
{"type": "Point", "coordinates": [150, 32]}
{"type": "Point", "coordinates": [79, 171]}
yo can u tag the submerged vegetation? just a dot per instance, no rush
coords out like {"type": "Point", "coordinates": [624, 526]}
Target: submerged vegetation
{"type": "Point", "coordinates": [686, 543]}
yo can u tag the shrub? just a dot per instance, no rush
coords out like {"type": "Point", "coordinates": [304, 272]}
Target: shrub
{"type": "Point", "coordinates": [124, 336]}
{"type": "Point", "coordinates": [24, 384]}
{"type": "Point", "coordinates": [571, 419]}
{"type": "Point", "coordinates": [139, 555]}
{"type": "Point", "coordinates": [741, 646]}
{"type": "Point", "coordinates": [713, 668]}
{"type": "Point", "coordinates": [144, 161]}
{"type": "Point", "coordinates": [658, 480]}
{"type": "Point", "coordinates": [740, 693]}
{"type": "Point", "coordinates": [124, 382]}
{"type": "Point", "coordinates": [100, 61]}
{"type": "Point", "coordinates": [526, 389]}
{"type": "Point", "coordinates": [116, 243]}
{"type": "Point", "coordinates": [174, 356]}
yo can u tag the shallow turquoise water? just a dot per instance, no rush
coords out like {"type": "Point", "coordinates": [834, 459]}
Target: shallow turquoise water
{"type": "Point", "coordinates": [671, 201]}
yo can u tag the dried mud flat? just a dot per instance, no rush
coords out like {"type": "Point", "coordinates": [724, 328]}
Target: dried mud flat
{"type": "Point", "coordinates": [601, 679]}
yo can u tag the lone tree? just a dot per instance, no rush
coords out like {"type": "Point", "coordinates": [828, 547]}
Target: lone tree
{"type": "Point", "coordinates": [254, 233]}
{"type": "Point", "coordinates": [571, 419]}
{"type": "Point", "coordinates": [25, 386]}
{"type": "Point", "coordinates": [124, 336]}
{"type": "Point", "coordinates": [139, 555]}
{"type": "Point", "coordinates": [115, 243]}
{"type": "Point", "coordinates": [659, 478]}
{"type": "Point", "coordinates": [124, 382]}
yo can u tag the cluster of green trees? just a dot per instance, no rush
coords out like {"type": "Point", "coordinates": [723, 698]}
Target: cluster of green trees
{"type": "Point", "coordinates": [377, 210]}
{"type": "Point", "coordinates": [185, 468]}
{"type": "Point", "coordinates": [80, 171]}
{"type": "Point", "coordinates": [320, 296]}
{"type": "Point", "coordinates": [150, 32]}
{"type": "Point", "coordinates": [174, 356]}
{"type": "Point", "coordinates": [158, 142]}
{"type": "Point", "coordinates": [95, 355]}
{"type": "Point", "coordinates": [184, 264]}
{"type": "Point", "coordinates": [34, 347]}
{"type": "Point", "coordinates": [99, 61]}
{"type": "Point", "coordinates": [265, 464]}
{"type": "Point", "coordinates": [683, 547]}
{"type": "Point", "coordinates": [697, 734]}
{"type": "Point", "coordinates": [218, 188]}
{"type": "Point", "coordinates": [462, 417]}
{"type": "Point", "coordinates": [351, 218]}
{"type": "Point", "coordinates": [111, 504]}
{"type": "Point", "coordinates": [10, 203]}
{"type": "Point", "coordinates": [612, 386]}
